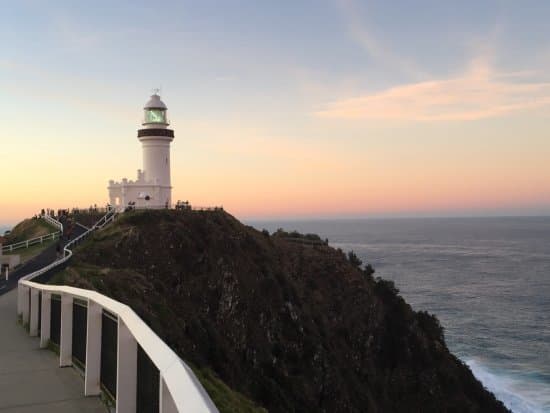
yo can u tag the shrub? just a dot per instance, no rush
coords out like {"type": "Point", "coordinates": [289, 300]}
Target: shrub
{"type": "Point", "coordinates": [431, 325]}
{"type": "Point", "coordinates": [369, 270]}
{"type": "Point", "coordinates": [386, 288]}
{"type": "Point", "coordinates": [354, 259]}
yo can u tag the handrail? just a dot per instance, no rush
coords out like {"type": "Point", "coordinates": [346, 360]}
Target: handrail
{"type": "Point", "coordinates": [32, 241]}
{"type": "Point", "coordinates": [186, 392]}
{"type": "Point", "coordinates": [67, 254]}
{"type": "Point", "coordinates": [180, 390]}
{"type": "Point", "coordinates": [53, 221]}
{"type": "Point", "coordinates": [105, 219]}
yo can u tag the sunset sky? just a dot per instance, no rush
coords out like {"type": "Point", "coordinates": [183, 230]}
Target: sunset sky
{"type": "Point", "coordinates": [282, 109]}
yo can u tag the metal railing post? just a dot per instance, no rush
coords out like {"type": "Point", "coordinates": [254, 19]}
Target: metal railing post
{"type": "Point", "coordinates": [126, 382]}
{"type": "Point", "coordinates": [20, 300]}
{"type": "Point", "coordinates": [166, 402]}
{"type": "Point", "coordinates": [45, 322]}
{"type": "Point", "coordinates": [34, 311]}
{"type": "Point", "coordinates": [92, 374]}
{"type": "Point", "coordinates": [25, 304]}
{"type": "Point", "coordinates": [66, 339]}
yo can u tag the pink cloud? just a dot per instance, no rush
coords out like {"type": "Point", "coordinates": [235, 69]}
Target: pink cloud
{"type": "Point", "coordinates": [479, 93]}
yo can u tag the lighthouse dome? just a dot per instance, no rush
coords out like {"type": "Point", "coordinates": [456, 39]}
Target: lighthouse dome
{"type": "Point", "coordinates": [154, 102]}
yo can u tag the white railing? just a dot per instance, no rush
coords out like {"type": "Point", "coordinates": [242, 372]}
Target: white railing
{"type": "Point", "coordinates": [179, 389]}
{"type": "Point", "coordinates": [30, 242]}
{"type": "Point", "coordinates": [67, 254]}
{"type": "Point", "coordinates": [53, 221]}
{"type": "Point", "coordinates": [105, 219]}
{"type": "Point", "coordinates": [108, 217]}
{"type": "Point", "coordinates": [38, 240]}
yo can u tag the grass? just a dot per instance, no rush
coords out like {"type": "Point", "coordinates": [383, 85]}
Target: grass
{"type": "Point", "coordinates": [27, 254]}
{"type": "Point", "coordinates": [28, 229]}
{"type": "Point", "coordinates": [225, 399]}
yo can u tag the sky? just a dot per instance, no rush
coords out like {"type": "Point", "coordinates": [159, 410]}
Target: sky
{"type": "Point", "coordinates": [286, 109]}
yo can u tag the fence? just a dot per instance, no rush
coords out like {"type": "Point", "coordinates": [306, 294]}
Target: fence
{"type": "Point", "coordinates": [183, 206]}
{"type": "Point", "coordinates": [200, 208]}
{"type": "Point", "coordinates": [38, 240]}
{"type": "Point", "coordinates": [67, 253]}
{"type": "Point", "coordinates": [53, 221]}
{"type": "Point", "coordinates": [118, 352]}
{"type": "Point", "coordinates": [30, 242]}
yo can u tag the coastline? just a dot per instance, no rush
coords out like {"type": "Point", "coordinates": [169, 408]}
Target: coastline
{"type": "Point", "coordinates": [471, 273]}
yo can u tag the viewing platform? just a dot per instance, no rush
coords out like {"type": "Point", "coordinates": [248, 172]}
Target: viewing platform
{"type": "Point", "coordinates": [30, 377]}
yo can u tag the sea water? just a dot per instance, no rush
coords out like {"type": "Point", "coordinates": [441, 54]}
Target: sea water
{"type": "Point", "coordinates": [486, 279]}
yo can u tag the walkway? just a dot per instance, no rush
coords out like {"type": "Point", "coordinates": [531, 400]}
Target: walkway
{"type": "Point", "coordinates": [30, 378]}
{"type": "Point", "coordinates": [46, 257]}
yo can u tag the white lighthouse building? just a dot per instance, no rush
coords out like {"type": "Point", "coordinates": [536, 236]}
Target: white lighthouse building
{"type": "Point", "coordinates": [153, 188]}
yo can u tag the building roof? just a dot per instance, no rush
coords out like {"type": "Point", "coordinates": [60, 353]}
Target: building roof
{"type": "Point", "coordinates": [155, 103]}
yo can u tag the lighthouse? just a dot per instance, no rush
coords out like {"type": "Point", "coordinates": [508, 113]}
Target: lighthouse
{"type": "Point", "coordinates": [153, 186]}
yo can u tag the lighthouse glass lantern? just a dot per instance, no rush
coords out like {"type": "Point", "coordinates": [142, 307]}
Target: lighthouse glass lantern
{"type": "Point", "coordinates": [155, 112]}
{"type": "Point", "coordinates": [155, 116]}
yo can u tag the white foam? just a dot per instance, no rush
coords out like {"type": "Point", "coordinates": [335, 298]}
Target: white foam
{"type": "Point", "coordinates": [516, 394]}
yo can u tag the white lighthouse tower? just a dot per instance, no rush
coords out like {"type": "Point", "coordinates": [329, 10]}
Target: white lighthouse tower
{"type": "Point", "coordinates": [153, 187]}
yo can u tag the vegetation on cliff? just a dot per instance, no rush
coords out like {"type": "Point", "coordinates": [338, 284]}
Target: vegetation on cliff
{"type": "Point", "coordinates": [293, 326]}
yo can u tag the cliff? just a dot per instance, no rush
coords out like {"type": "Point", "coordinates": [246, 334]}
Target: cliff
{"type": "Point", "coordinates": [293, 326]}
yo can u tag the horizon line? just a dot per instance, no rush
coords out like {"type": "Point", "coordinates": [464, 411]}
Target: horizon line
{"type": "Point", "coordinates": [362, 217]}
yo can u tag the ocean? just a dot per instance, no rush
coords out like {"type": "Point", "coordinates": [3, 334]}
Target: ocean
{"type": "Point", "coordinates": [486, 279]}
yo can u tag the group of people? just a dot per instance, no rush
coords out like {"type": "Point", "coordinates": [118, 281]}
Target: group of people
{"type": "Point", "coordinates": [130, 207]}
{"type": "Point", "coordinates": [92, 209]}
{"type": "Point", "coordinates": [65, 214]}
{"type": "Point", "coordinates": [182, 205]}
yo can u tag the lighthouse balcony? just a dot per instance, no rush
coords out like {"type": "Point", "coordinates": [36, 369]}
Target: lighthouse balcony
{"type": "Point", "coordinates": [168, 133]}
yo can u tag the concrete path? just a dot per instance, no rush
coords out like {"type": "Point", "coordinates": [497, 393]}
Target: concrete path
{"type": "Point", "coordinates": [46, 257]}
{"type": "Point", "coordinates": [30, 378]}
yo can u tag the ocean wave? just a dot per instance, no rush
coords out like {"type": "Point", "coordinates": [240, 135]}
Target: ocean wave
{"type": "Point", "coordinates": [519, 394]}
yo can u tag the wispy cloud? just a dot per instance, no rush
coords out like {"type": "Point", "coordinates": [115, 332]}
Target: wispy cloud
{"type": "Point", "coordinates": [373, 46]}
{"type": "Point", "coordinates": [478, 93]}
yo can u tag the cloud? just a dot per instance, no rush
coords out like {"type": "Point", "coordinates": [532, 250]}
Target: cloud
{"type": "Point", "coordinates": [478, 93]}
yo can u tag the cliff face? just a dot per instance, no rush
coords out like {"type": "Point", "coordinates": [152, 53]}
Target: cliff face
{"type": "Point", "coordinates": [294, 327]}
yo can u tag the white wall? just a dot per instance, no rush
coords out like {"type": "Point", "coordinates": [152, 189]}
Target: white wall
{"type": "Point", "coordinates": [156, 160]}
